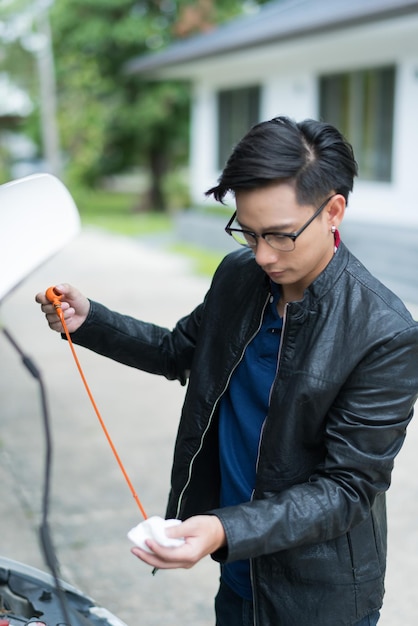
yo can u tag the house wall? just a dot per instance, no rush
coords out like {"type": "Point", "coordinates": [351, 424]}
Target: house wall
{"type": "Point", "coordinates": [288, 73]}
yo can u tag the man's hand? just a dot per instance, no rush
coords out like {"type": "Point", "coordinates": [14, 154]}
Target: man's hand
{"type": "Point", "coordinates": [203, 535]}
{"type": "Point", "coordinates": [74, 306]}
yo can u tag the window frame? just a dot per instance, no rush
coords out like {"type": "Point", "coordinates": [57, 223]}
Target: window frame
{"type": "Point", "coordinates": [238, 109]}
{"type": "Point", "coordinates": [361, 104]}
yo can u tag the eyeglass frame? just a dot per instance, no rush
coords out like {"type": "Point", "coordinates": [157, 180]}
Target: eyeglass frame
{"type": "Point", "coordinates": [293, 236]}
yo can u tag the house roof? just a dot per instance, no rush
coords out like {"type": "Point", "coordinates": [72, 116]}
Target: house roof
{"type": "Point", "coordinates": [276, 21]}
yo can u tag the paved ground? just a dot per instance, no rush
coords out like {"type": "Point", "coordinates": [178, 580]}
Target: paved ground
{"type": "Point", "coordinates": [91, 506]}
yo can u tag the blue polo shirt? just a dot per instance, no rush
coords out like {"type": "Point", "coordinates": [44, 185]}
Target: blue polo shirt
{"type": "Point", "coordinates": [243, 409]}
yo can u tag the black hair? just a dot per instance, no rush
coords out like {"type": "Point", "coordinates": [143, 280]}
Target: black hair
{"type": "Point", "coordinates": [314, 155]}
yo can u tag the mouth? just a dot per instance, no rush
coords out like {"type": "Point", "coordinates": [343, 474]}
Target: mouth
{"type": "Point", "coordinates": [275, 275]}
{"type": "Point", "coordinates": [272, 273]}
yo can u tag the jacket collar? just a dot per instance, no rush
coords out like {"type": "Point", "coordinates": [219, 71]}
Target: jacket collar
{"type": "Point", "coordinates": [330, 275]}
{"type": "Point", "coordinates": [321, 286]}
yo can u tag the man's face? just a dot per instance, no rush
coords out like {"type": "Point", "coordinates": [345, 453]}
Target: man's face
{"type": "Point", "coordinates": [275, 209]}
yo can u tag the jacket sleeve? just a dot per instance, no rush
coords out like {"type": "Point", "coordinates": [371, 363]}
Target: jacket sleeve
{"type": "Point", "coordinates": [364, 430]}
{"type": "Point", "coordinates": [139, 344]}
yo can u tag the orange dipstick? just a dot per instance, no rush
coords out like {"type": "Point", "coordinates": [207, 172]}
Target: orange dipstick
{"type": "Point", "coordinates": [55, 298]}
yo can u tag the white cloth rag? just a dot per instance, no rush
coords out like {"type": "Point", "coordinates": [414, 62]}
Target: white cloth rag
{"type": "Point", "coordinates": [154, 528]}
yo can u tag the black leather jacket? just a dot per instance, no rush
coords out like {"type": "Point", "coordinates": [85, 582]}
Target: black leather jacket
{"type": "Point", "coordinates": [346, 383]}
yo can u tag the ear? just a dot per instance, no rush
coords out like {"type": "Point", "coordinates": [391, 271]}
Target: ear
{"type": "Point", "coordinates": [335, 210]}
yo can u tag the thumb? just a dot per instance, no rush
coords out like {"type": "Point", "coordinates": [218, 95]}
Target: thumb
{"type": "Point", "coordinates": [68, 293]}
{"type": "Point", "coordinates": [175, 529]}
{"type": "Point", "coordinates": [64, 289]}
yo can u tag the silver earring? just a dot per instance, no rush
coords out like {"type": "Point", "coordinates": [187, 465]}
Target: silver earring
{"type": "Point", "coordinates": [333, 229]}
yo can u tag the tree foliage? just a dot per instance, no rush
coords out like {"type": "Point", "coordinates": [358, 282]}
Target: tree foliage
{"type": "Point", "coordinates": [109, 121]}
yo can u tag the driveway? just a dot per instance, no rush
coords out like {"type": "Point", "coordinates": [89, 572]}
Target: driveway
{"type": "Point", "coordinates": [91, 506]}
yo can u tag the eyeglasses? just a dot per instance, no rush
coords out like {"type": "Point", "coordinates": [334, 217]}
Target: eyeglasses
{"type": "Point", "coordinates": [285, 242]}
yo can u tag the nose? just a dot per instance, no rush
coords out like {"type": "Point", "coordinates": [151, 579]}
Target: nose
{"type": "Point", "coordinates": [264, 253]}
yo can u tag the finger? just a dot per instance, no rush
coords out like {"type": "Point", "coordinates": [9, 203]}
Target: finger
{"type": "Point", "coordinates": [54, 322]}
{"type": "Point", "coordinates": [63, 289]}
{"type": "Point", "coordinates": [67, 291]}
{"type": "Point", "coordinates": [54, 319]}
{"type": "Point", "coordinates": [41, 298]}
{"type": "Point", "coordinates": [151, 559]}
{"type": "Point", "coordinates": [177, 531]}
{"type": "Point", "coordinates": [165, 558]}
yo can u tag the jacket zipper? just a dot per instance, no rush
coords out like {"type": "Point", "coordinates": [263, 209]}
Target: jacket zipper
{"type": "Point", "coordinates": [215, 404]}
{"type": "Point", "coordinates": [259, 447]}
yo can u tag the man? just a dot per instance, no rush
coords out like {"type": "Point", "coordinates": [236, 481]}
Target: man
{"type": "Point", "coordinates": [302, 374]}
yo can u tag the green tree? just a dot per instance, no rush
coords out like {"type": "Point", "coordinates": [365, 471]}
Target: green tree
{"type": "Point", "coordinates": [18, 67]}
{"type": "Point", "coordinates": [110, 121]}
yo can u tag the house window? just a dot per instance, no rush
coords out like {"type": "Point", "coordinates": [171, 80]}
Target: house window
{"type": "Point", "coordinates": [361, 105]}
{"type": "Point", "coordinates": [238, 111]}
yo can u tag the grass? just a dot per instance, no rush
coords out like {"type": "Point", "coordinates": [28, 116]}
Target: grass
{"type": "Point", "coordinates": [114, 212]}
{"type": "Point", "coordinates": [205, 262]}
{"type": "Point", "coordinates": [134, 225]}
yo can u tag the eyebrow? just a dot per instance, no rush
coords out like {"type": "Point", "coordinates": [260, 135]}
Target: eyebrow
{"type": "Point", "coordinates": [270, 229]}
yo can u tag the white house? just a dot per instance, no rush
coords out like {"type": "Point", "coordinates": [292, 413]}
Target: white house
{"type": "Point", "coordinates": [353, 63]}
